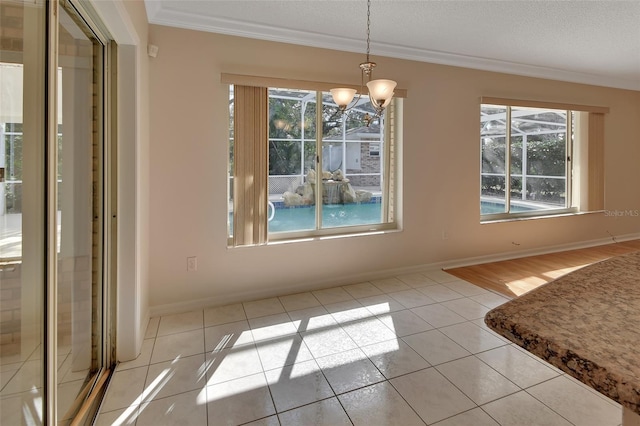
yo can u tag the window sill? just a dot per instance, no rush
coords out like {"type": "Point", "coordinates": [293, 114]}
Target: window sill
{"type": "Point", "coordinates": [334, 236]}
{"type": "Point", "coordinates": [488, 219]}
{"type": "Point", "coordinates": [306, 237]}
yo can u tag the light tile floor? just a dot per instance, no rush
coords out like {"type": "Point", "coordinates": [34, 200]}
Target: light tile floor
{"type": "Point", "coordinates": [21, 386]}
{"type": "Point", "coordinates": [411, 349]}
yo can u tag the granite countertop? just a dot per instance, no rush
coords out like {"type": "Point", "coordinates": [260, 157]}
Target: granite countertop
{"type": "Point", "coordinates": [587, 323]}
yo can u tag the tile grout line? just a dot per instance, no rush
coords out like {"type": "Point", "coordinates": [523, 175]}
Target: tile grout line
{"type": "Point", "coordinates": [543, 403]}
{"type": "Point", "coordinates": [341, 326]}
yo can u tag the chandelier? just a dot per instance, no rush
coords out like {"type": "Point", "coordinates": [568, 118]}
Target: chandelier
{"type": "Point", "coordinates": [380, 91]}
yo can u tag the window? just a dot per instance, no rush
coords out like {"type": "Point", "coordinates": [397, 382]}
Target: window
{"type": "Point", "coordinates": [11, 139]}
{"type": "Point", "coordinates": [299, 168]}
{"type": "Point", "coordinates": [374, 149]}
{"type": "Point", "coordinates": [537, 159]}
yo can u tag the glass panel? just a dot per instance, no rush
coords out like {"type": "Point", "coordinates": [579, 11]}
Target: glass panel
{"type": "Point", "coordinates": [22, 211]}
{"type": "Point", "coordinates": [547, 192]}
{"type": "Point", "coordinates": [292, 152]}
{"type": "Point", "coordinates": [79, 192]}
{"type": "Point", "coordinates": [515, 160]}
{"type": "Point", "coordinates": [493, 154]}
{"type": "Point", "coordinates": [352, 154]}
{"type": "Point", "coordinates": [350, 183]}
{"type": "Point", "coordinates": [541, 147]}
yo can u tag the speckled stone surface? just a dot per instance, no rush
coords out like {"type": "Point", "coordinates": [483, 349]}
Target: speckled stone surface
{"type": "Point", "coordinates": [586, 323]}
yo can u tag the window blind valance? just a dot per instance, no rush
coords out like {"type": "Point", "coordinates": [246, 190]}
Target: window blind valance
{"type": "Point", "coordinates": [256, 81]}
{"type": "Point", "coordinates": [543, 104]}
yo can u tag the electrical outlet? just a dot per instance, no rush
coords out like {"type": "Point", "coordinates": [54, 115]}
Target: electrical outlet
{"type": "Point", "coordinates": [445, 234]}
{"type": "Point", "coordinates": [192, 263]}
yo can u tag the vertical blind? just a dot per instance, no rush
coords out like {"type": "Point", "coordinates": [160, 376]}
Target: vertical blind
{"type": "Point", "coordinates": [251, 110]}
{"type": "Point", "coordinates": [390, 165]}
{"type": "Point", "coordinates": [596, 162]}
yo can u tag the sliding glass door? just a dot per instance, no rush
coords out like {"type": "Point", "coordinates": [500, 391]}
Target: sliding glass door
{"type": "Point", "coordinates": [22, 212]}
{"type": "Point", "coordinates": [79, 209]}
{"type": "Point", "coordinates": [53, 235]}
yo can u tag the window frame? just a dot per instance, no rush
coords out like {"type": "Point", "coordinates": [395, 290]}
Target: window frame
{"type": "Point", "coordinates": [388, 220]}
{"type": "Point", "coordinates": [586, 176]}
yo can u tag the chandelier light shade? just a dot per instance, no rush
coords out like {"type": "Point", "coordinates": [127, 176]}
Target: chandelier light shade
{"type": "Point", "coordinates": [380, 91]}
{"type": "Point", "coordinates": [343, 96]}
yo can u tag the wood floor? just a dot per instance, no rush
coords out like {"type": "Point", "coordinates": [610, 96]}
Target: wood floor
{"type": "Point", "coordinates": [515, 277]}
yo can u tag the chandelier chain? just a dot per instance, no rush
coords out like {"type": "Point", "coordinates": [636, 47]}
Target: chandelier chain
{"type": "Point", "coordinates": [368, 26]}
{"type": "Point", "coordinates": [380, 91]}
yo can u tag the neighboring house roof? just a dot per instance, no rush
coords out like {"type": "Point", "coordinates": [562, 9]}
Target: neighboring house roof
{"type": "Point", "coordinates": [363, 133]}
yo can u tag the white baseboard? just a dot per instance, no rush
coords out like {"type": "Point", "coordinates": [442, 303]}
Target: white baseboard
{"type": "Point", "coordinates": [179, 307]}
{"type": "Point", "coordinates": [459, 263]}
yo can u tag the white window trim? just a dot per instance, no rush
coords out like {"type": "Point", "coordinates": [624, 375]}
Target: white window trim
{"type": "Point", "coordinates": [586, 194]}
{"type": "Point", "coordinates": [389, 221]}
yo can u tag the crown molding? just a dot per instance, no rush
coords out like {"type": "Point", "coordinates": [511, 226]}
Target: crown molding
{"type": "Point", "coordinates": [160, 15]}
{"type": "Point", "coordinates": [506, 67]}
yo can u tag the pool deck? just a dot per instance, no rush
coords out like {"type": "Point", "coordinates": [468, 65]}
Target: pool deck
{"type": "Point", "coordinates": [375, 191]}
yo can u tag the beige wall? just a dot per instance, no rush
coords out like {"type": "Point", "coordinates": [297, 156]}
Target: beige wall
{"type": "Point", "coordinates": [188, 166]}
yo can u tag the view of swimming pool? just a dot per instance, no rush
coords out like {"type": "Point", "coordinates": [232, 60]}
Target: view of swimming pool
{"type": "Point", "coordinates": [302, 218]}
{"type": "Point", "coordinates": [491, 207]}
{"type": "Point", "coordinates": [333, 215]}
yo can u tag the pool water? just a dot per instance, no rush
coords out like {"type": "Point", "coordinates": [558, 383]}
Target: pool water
{"type": "Point", "coordinates": [491, 207]}
{"type": "Point", "coordinates": [333, 215]}
{"type": "Point", "coordinates": [303, 218]}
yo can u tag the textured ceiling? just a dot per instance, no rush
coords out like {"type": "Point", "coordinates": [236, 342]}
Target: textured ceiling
{"type": "Point", "coordinates": [594, 42]}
